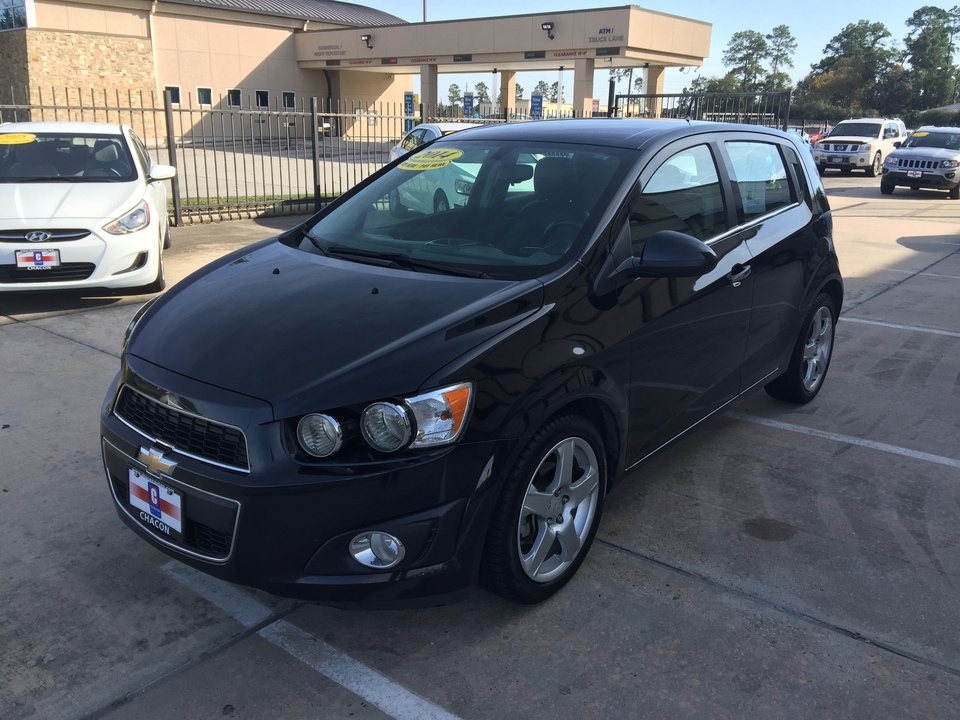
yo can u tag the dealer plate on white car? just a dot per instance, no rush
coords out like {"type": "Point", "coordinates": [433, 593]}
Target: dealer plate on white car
{"type": "Point", "coordinates": [158, 505]}
{"type": "Point", "coordinates": [38, 259]}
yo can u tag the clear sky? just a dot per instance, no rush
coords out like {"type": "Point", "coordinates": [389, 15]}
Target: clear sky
{"type": "Point", "coordinates": [812, 25]}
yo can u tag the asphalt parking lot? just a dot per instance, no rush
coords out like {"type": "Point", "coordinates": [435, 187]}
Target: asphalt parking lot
{"type": "Point", "coordinates": [779, 562]}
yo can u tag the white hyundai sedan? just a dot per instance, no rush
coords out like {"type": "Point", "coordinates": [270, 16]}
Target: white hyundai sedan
{"type": "Point", "coordinates": [82, 207]}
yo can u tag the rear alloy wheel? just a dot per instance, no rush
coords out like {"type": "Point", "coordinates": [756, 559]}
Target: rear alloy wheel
{"type": "Point", "coordinates": [811, 355]}
{"type": "Point", "coordinates": [874, 169]}
{"type": "Point", "coordinates": [886, 188]}
{"type": "Point", "coordinates": [548, 512]}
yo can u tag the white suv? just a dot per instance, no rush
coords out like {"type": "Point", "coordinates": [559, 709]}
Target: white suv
{"type": "Point", "coordinates": [862, 144]}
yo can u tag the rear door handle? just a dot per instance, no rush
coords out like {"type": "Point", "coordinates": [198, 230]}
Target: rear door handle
{"type": "Point", "coordinates": [738, 274]}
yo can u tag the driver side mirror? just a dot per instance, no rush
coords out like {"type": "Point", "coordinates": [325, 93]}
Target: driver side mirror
{"type": "Point", "coordinates": [669, 253]}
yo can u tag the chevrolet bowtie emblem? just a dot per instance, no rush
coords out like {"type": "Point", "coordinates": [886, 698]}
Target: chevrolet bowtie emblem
{"type": "Point", "coordinates": [155, 461]}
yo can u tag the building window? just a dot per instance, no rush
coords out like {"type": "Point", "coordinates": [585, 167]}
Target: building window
{"type": "Point", "coordinates": [174, 91]}
{"type": "Point", "coordinates": [289, 100]}
{"type": "Point", "coordinates": [205, 96]}
{"type": "Point", "coordinates": [233, 97]}
{"type": "Point", "coordinates": [13, 14]}
{"type": "Point", "coordinates": [262, 98]}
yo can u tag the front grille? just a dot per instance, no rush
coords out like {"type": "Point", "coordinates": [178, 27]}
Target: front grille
{"type": "Point", "coordinates": [191, 435]}
{"type": "Point", "coordinates": [911, 164]}
{"type": "Point", "coordinates": [60, 236]}
{"type": "Point", "coordinates": [66, 272]}
{"type": "Point", "coordinates": [197, 536]}
{"type": "Point", "coordinates": [836, 147]}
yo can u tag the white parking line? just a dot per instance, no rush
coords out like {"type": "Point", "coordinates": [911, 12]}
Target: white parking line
{"type": "Point", "coordinates": [392, 698]}
{"type": "Point", "coordinates": [849, 439]}
{"type": "Point", "coordinates": [913, 328]}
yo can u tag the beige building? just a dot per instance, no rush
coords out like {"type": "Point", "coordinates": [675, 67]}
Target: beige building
{"type": "Point", "coordinates": [274, 54]}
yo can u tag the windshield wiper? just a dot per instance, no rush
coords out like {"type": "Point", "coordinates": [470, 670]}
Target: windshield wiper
{"type": "Point", "coordinates": [402, 261]}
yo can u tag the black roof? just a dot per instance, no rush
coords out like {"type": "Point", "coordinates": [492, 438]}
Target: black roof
{"type": "Point", "coordinates": [339, 13]}
{"type": "Point", "coordinates": [611, 132]}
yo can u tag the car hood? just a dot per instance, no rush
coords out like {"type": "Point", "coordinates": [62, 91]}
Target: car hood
{"type": "Point", "coordinates": [925, 152]}
{"type": "Point", "coordinates": [307, 333]}
{"type": "Point", "coordinates": [31, 203]}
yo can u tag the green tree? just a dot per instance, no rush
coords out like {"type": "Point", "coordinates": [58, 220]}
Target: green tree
{"type": "Point", "coordinates": [454, 95]}
{"type": "Point", "coordinates": [781, 46]}
{"type": "Point", "coordinates": [744, 58]}
{"type": "Point", "coordinates": [555, 93]}
{"type": "Point", "coordinates": [543, 89]}
{"type": "Point", "coordinates": [519, 93]}
{"type": "Point", "coordinates": [930, 54]}
{"type": "Point", "coordinates": [482, 92]}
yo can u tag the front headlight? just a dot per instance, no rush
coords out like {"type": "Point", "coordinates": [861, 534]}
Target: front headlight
{"type": "Point", "coordinates": [134, 220]}
{"type": "Point", "coordinates": [320, 435]}
{"type": "Point", "coordinates": [891, 161]}
{"type": "Point", "coordinates": [949, 164]}
{"type": "Point", "coordinates": [385, 426]}
{"type": "Point", "coordinates": [865, 148]}
{"type": "Point", "coordinates": [440, 415]}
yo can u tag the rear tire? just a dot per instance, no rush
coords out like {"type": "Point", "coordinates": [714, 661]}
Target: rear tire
{"type": "Point", "coordinates": [811, 355]}
{"type": "Point", "coordinates": [547, 513]}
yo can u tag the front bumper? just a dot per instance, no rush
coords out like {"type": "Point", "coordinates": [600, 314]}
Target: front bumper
{"type": "Point", "coordinates": [843, 160]}
{"type": "Point", "coordinates": [946, 179]}
{"type": "Point", "coordinates": [96, 260]}
{"type": "Point", "coordinates": [285, 526]}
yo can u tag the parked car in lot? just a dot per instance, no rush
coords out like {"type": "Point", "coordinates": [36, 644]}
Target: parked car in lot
{"type": "Point", "coordinates": [928, 159]}
{"type": "Point", "coordinates": [424, 133]}
{"type": "Point", "coordinates": [860, 144]}
{"type": "Point", "coordinates": [382, 408]}
{"type": "Point", "coordinates": [82, 207]}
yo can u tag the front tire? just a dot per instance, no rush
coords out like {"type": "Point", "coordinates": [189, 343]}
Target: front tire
{"type": "Point", "coordinates": [886, 188]}
{"type": "Point", "coordinates": [440, 202]}
{"type": "Point", "coordinates": [954, 193]}
{"type": "Point", "coordinates": [548, 512]}
{"type": "Point", "coordinates": [874, 168]}
{"type": "Point", "coordinates": [811, 355]}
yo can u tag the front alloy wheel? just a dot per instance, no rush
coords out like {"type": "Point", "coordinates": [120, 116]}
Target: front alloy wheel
{"type": "Point", "coordinates": [548, 512]}
{"type": "Point", "coordinates": [875, 168]}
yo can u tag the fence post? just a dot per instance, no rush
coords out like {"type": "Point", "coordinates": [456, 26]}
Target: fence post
{"type": "Point", "coordinates": [786, 113]}
{"type": "Point", "coordinates": [172, 155]}
{"type": "Point", "coordinates": [317, 134]}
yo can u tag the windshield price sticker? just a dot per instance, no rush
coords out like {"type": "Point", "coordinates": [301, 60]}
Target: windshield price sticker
{"type": "Point", "coordinates": [433, 159]}
{"type": "Point", "coordinates": [17, 138]}
{"type": "Point", "coordinates": [920, 134]}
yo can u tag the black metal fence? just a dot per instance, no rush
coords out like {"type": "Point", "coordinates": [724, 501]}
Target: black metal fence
{"type": "Point", "coordinates": [770, 109]}
{"type": "Point", "coordinates": [298, 153]}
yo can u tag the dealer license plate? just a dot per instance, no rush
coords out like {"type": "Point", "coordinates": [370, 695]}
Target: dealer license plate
{"type": "Point", "coordinates": [37, 259]}
{"type": "Point", "coordinates": [914, 173]}
{"type": "Point", "coordinates": [838, 160]}
{"type": "Point", "coordinates": [156, 505]}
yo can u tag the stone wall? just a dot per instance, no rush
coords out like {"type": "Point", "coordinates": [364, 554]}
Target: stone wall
{"type": "Point", "coordinates": [13, 63]}
{"type": "Point", "coordinates": [77, 70]}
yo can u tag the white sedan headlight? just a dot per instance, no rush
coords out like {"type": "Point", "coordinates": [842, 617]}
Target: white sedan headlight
{"type": "Point", "coordinates": [136, 219]}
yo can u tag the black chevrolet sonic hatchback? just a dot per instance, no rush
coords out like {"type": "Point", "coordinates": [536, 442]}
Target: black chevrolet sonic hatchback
{"type": "Point", "coordinates": [439, 377]}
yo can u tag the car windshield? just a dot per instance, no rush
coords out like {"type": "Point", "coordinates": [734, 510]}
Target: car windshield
{"type": "Point", "coordinates": [922, 138]}
{"type": "Point", "coordinates": [64, 157]}
{"type": "Point", "coordinates": [856, 130]}
{"type": "Point", "coordinates": [505, 210]}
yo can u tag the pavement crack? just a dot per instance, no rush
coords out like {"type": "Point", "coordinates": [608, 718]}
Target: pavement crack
{"type": "Point", "coordinates": [806, 618]}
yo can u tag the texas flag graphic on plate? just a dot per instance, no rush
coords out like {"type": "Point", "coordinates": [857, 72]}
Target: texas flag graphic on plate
{"type": "Point", "coordinates": [156, 500]}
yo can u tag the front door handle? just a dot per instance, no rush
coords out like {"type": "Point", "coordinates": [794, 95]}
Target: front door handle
{"type": "Point", "coordinates": [738, 274]}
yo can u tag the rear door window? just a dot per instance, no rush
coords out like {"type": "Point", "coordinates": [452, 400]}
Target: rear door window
{"type": "Point", "coordinates": [760, 175]}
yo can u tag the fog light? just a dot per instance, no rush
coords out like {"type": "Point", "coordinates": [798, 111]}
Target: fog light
{"type": "Point", "coordinates": [378, 550]}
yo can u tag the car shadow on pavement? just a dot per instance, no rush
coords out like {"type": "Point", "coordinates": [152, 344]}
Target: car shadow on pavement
{"type": "Point", "coordinates": [34, 303]}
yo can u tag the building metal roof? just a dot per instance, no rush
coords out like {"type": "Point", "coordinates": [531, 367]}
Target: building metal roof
{"type": "Point", "coordinates": [339, 13]}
